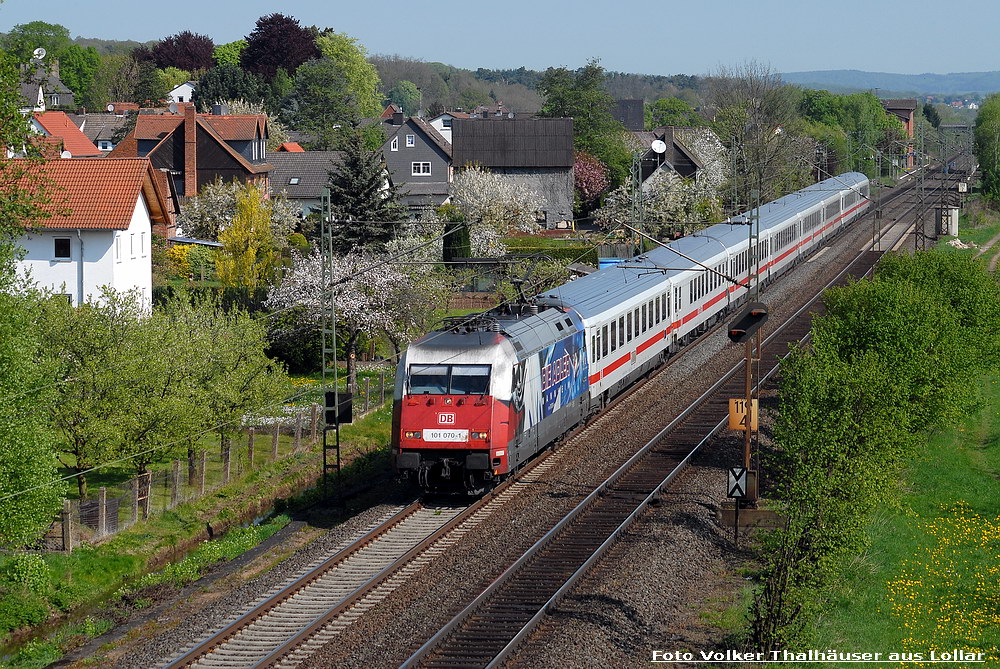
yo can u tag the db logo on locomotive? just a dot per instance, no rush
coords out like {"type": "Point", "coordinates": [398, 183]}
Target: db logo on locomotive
{"type": "Point", "coordinates": [446, 419]}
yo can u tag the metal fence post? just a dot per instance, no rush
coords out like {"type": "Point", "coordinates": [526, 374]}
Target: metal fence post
{"type": "Point", "coordinates": [274, 440]}
{"type": "Point", "coordinates": [251, 436]}
{"type": "Point", "coordinates": [102, 512]}
{"type": "Point", "coordinates": [135, 500]}
{"type": "Point", "coordinates": [368, 391]}
{"type": "Point", "coordinates": [175, 484]}
{"type": "Point", "coordinates": [381, 386]}
{"type": "Point", "coordinates": [227, 462]}
{"type": "Point", "coordinates": [298, 432]}
{"type": "Point", "coordinates": [313, 421]}
{"type": "Point", "coordinates": [67, 526]}
{"type": "Point", "coordinates": [204, 468]}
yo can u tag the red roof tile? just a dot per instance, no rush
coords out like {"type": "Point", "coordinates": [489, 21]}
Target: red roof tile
{"type": "Point", "coordinates": [230, 128]}
{"type": "Point", "coordinates": [291, 147]}
{"type": "Point", "coordinates": [57, 124]}
{"type": "Point", "coordinates": [156, 126]}
{"type": "Point", "coordinates": [100, 193]}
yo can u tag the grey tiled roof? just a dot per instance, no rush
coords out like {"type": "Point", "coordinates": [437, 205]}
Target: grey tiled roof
{"type": "Point", "coordinates": [309, 167]}
{"type": "Point", "coordinates": [97, 126]}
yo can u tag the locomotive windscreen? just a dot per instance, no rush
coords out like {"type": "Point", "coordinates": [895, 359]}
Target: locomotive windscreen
{"type": "Point", "coordinates": [449, 379]}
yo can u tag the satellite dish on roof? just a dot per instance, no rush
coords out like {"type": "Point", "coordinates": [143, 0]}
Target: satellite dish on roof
{"type": "Point", "coordinates": [110, 107]}
{"type": "Point", "coordinates": [173, 107]}
{"type": "Point", "coordinates": [510, 114]}
{"type": "Point", "coordinates": [65, 154]}
{"type": "Point", "coordinates": [658, 146]}
{"type": "Point", "coordinates": [38, 53]}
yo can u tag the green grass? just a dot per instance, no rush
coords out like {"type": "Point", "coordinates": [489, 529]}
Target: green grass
{"type": "Point", "coordinates": [931, 578]}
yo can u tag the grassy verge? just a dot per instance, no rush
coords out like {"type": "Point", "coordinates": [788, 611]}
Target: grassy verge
{"type": "Point", "coordinates": [931, 579]}
{"type": "Point", "coordinates": [67, 595]}
{"type": "Point", "coordinates": [978, 224]}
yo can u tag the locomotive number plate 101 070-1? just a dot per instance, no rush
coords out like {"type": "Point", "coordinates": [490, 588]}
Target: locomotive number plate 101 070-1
{"type": "Point", "coordinates": [446, 435]}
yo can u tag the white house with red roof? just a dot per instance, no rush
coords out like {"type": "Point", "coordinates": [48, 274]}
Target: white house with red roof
{"type": "Point", "coordinates": [57, 124]}
{"type": "Point", "coordinates": [104, 240]}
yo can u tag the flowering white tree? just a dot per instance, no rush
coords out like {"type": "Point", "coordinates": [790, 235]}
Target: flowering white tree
{"type": "Point", "coordinates": [668, 198]}
{"type": "Point", "coordinates": [373, 297]}
{"type": "Point", "coordinates": [212, 210]}
{"type": "Point", "coordinates": [493, 206]}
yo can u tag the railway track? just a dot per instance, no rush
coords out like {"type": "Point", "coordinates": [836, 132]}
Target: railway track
{"type": "Point", "coordinates": [311, 610]}
{"type": "Point", "coordinates": [489, 630]}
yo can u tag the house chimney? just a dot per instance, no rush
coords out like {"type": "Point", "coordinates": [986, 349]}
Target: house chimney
{"type": "Point", "coordinates": [190, 151]}
{"type": "Point", "coordinates": [397, 118]}
{"type": "Point", "coordinates": [220, 109]}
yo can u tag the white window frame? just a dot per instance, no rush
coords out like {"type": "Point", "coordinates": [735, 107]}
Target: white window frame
{"type": "Point", "coordinates": [131, 244]}
{"type": "Point", "coordinates": [417, 169]}
{"type": "Point", "coordinates": [118, 248]}
{"type": "Point", "coordinates": [66, 258]}
{"type": "Point", "coordinates": [394, 144]}
{"type": "Point", "coordinates": [411, 141]}
{"type": "Point", "coordinates": [142, 244]}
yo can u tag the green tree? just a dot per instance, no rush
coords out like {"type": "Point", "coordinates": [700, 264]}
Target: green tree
{"type": "Point", "coordinates": [24, 38]}
{"type": "Point", "coordinates": [361, 76]}
{"type": "Point", "coordinates": [120, 78]}
{"type": "Point", "coordinates": [27, 465]}
{"type": "Point", "coordinates": [365, 205]}
{"type": "Point", "coordinates": [172, 77]}
{"type": "Point", "coordinates": [581, 95]}
{"type": "Point", "coordinates": [248, 257]}
{"type": "Point", "coordinates": [406, 95]}
{"type": "Point", "coordinates": [671, 111]}
{"type": "Point", "coordinates": [931, 114]}
{"type": "Point", "coordinates": [77, 68]}
{"type": "Point", "coordinates": [279, 88]}
{"type": "Point", "coordinates": [229, 53]}
{"type": "Point", "coordinates": [26, 442]}
{"type": "Point", "coordinates": [226, 82]}
{"type": "Point", "coordinates": [320, 103]}
{"type": "Point", "coordinates": [988, 145]}
{"type": "Point", "coordinates": [91, 347]}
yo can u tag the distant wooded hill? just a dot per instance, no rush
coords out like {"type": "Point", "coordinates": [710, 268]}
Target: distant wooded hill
{"type": "Point", "coordinates": [956, 83]}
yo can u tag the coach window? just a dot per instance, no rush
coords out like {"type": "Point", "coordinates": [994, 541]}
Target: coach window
{"type": "Point", "coordinates": [656, 301]}
{"type": "Point", "coordinates": [597, 346]}
{"type": "Point", "coordinates": [621, 330]}
{"type": "Point", "coordinates": [593, 348]}
{"type": "Point", "coordinates": [614, 335]}
{"type": "Point", "coordinates": [604, 341]}
{"type": "Point", "coordinates": [628, 325]}
{"type": "Point", "coordinates": [643, 318]}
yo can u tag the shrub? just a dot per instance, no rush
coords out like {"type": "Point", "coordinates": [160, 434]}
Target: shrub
{"type": "Point", "coordinates": [21, 609]}
{"type": "Point", "coordinates": [28, 570]}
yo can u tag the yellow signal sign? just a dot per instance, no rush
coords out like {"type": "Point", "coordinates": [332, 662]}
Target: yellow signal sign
{"type": "Point", "coordinates": [738, 415]}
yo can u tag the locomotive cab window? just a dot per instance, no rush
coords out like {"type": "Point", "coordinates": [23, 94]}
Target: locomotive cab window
{"type": "Point", "coordinates": [449, 379]}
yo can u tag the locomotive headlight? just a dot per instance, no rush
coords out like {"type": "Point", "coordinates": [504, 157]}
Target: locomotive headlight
{"type": "Point", "coordinates": [481, 435]}
{"type": "Point", "coordinates": [412, 434]}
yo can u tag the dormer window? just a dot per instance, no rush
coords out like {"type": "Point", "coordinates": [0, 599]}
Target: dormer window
{"type": "Point", "coordinates": [294, 181]}
{"type": "Point", "coordinates": [411, 141]}
{"type": "Point", "coordinates": [394, 144]}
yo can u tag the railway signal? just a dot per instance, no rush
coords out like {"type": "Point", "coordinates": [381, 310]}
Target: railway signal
{"type": "Point", "coordinates": [748, 322]}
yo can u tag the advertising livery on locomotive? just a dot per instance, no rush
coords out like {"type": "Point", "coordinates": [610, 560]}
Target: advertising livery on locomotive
{"type": "Point", "coordinates": [478, 397]}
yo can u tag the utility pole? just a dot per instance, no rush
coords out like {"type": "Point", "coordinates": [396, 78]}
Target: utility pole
{"type": "Point", "coordinates": [328, 366]}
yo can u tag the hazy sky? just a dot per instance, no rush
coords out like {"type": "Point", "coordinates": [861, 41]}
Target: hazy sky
{"type": "Point", "coordinates": [666, 37]}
